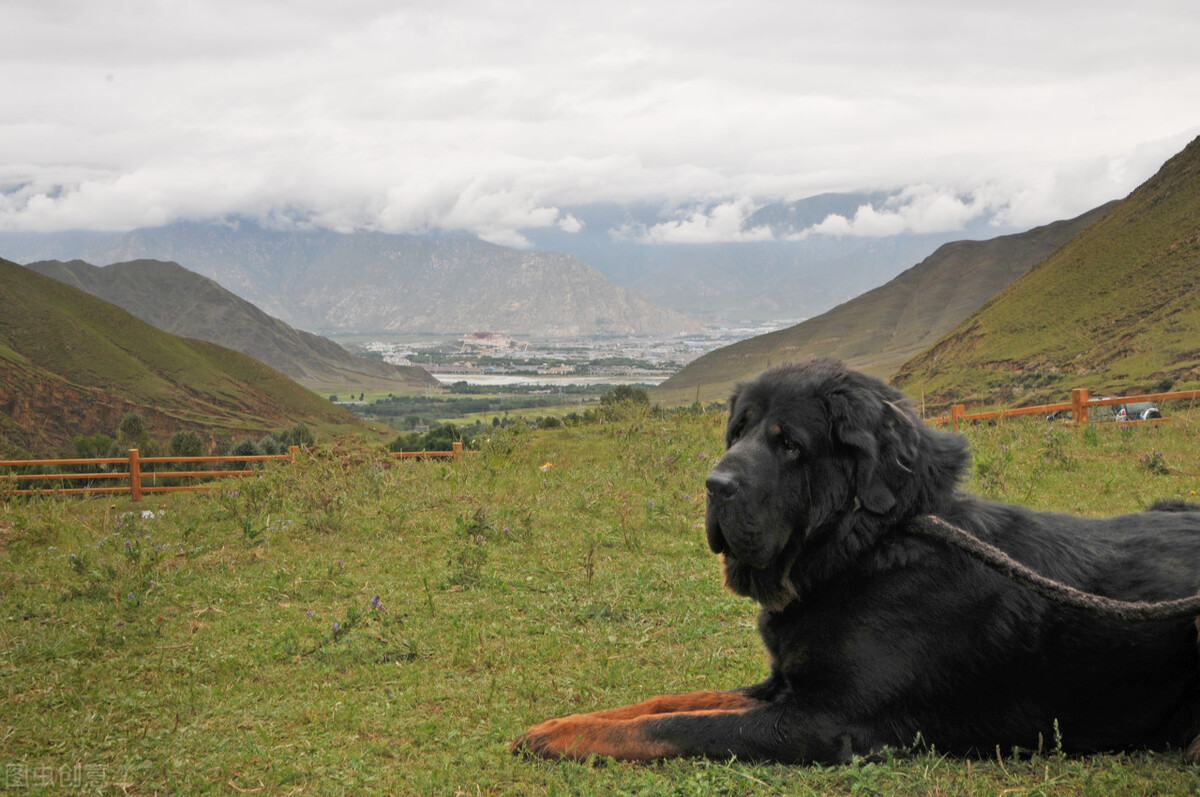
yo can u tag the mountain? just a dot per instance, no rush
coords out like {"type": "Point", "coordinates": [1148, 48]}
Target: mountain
{"type": "Point", "coordinates": [72, 364]}
{"type": "Point", "coordinates": [1117, 309]}
{"type": "Point", "coordinates": [792, 274]}
{"type": "Point", "coordinates": [182, 302]}
{"type": "Point", "coordinates": [877, 331]}
{"type": "Point", "coordinates": [329, 282]}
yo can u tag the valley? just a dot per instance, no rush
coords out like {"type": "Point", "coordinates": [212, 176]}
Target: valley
{"type": "Point", "coordinates": [498, 359]}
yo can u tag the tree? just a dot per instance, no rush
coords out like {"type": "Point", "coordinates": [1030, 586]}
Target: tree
{"type": "Point", "coordinates": [298, 435]}
{"type": "Point", "coordinates": [132, 431]}
{"type": "Point", "coordinates": [186, 444]}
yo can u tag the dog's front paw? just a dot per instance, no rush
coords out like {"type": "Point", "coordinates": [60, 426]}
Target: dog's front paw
{"type": "Point", "coordinates": [550, 739]}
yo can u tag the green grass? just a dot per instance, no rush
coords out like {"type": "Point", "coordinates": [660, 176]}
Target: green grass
{"type": "Point", "coordinates": [195, 651]}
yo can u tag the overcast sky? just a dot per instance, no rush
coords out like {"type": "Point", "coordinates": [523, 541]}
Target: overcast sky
{"type": "Point", "coordinates": [491, 117]}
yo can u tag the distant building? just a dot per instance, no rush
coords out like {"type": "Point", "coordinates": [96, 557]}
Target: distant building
{"type": "Point", "coordinates": [489, 340]}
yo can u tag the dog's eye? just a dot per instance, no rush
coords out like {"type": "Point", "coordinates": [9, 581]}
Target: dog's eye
{"type": "Point", "coordinates": [789, 444]}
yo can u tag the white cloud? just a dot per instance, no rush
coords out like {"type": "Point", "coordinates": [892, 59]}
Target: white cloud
{"type": "Point", "coordinates": [917, 209]}
{"type": "Point", "coordinates": [463, 114]}
{"type": "Point", "coordinates": [722, 223]}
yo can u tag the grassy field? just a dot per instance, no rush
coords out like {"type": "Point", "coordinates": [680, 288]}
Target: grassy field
{"type": "Point", "coordinates": [355, 624]}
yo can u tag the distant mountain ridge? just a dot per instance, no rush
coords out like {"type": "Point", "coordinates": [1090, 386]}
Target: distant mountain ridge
{"type": "Point", "coordinates": [790, 276]}
{"type": "Point", "coordinates": [182, 302]}
{"type": "Point", "coordinates": [1116, 309]}
{"type": "Point", "coordinates": [73, 364]}
{"type": "Point", "coordinates": [329, 282]}
{"type": "Point", "coordinates": [877, 331]}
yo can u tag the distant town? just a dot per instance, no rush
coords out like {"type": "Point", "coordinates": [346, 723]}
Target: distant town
{"type": "Point", "coordinates": [485, 357]}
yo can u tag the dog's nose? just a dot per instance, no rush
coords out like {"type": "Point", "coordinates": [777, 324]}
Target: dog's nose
{"type": "Point", "coordinates": [721, 485]}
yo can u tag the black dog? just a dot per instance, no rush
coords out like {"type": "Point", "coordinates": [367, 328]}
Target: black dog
{"type": "Point", "coordinates": [877, 637]}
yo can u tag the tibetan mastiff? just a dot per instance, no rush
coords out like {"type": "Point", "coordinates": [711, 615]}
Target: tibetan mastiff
{"type": "Point", "coordinates": [878, 637]}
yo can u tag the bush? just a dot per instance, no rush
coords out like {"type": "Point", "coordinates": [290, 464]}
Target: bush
{"type": "Point", "coordinates": [186, 444]}
{"type": "Point", "coordinates": [132, 430]}
{"type": "Point", "coordinates": [96, 446]}
{"type": "Point", "coordinates": [298, 435]}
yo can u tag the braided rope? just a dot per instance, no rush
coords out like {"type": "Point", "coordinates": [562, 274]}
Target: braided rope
{"type": "Point", "coordinates": [935, 528]}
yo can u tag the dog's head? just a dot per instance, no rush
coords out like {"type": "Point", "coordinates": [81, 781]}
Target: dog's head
{"type": "Point", "coordinates": [818, 460]}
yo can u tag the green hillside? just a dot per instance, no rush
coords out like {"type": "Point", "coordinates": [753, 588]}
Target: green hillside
{"type": "Point", "coordinates": [879, 330]}
{"type": "Point", "coordinates": [1116, 310]}
{"type": "Point", "coordinates": [73, 364]}
{"type": "Point", "coordinates": [182, 302]}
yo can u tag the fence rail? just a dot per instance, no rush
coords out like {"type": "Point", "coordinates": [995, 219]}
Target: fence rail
{"type": "Point", "coordinates": [1079, 406]}
{"type": "Point", "coordinates": [141, 482]}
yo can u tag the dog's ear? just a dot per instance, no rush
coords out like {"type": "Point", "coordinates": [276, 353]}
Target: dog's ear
{"type": "Point", "coordinates": [865, 426]}
{"type": "Point", "coordinates": [733, 399]}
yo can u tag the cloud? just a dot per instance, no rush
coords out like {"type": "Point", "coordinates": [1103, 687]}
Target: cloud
{"type": "Point", "coordinates": [723, 223]}
{"type": "Point", "coordinates": [916, 209]}
{"type": "Point", "coordinates": [467, 116]}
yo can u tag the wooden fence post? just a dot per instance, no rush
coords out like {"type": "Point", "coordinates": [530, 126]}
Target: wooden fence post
{"type": "Point", "coordinates": [1079, 408]}
{"type": "Point", "coordinates": [135, 476]}
{"type": "Point", "coordinates": [457, 448]}
{"type": "Point", "coordinates": [293, 451]}
{"type": "Point", "coordinates": [956, 412]}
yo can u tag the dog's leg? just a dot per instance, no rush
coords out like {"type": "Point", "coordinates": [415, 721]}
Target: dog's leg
{"type": "Point", "coordinates": [612, 735]}
{"type": "Point", "coordinates": [763, 731]}
{"type": "Point", "coordinates": [1192, 754]}
{"type": "Point", "coordinates": [731, 700]}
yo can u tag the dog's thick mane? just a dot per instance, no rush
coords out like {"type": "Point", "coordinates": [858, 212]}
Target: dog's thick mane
{"type": "Point", "coordinates": [901, 468]}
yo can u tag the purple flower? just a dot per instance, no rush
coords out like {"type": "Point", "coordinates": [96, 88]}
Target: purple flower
{"type": "Point", "coordinates": [336, 627]}
{"type": "Point", "coordinates": [309, 613]}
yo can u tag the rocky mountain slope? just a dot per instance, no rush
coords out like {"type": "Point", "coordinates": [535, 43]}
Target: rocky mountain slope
{"type": "Point", "coordinates": [184, 303]}
{"type": "Point", "coordinates": [330, 282]}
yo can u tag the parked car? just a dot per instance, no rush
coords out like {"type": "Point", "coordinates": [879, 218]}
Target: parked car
{"type": "Point", "coordinates": [1133, 411]}
{"type": "Point", "coordinates": [1136, 411]}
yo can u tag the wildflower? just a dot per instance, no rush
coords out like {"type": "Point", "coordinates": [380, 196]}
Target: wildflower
{"type": "Point", "coordinates": [309, 613]}
{"type": "Point", "coordinates": [130, 596]}
{"type": "Point", "coordinates": [546, 467]}
{"type": "Point", "coordinates": [336, 627]}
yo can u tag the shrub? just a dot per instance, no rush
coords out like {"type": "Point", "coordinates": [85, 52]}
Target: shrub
{"type": "Point", "coordinates": [186, 444]}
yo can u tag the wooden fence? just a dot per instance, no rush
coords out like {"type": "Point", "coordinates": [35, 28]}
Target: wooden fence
{"type": "Point", "coordinates": [139, 481]}
{"type": "Point", "coordinates": [1079, 406]}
